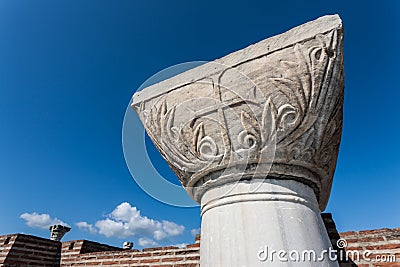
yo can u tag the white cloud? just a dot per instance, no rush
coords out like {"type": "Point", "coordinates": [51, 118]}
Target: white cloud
{"type": "Point", "coordinates": [146, 242]}
{"type": "Point", "coordinates": [86, 227]}
{"type": "Point", "coordinates": [126, 221]}
{"type": "Point", "coordinates": [172, 229]}
{"type": "Point", "coordinates": [111, 228]}
{"type": "Point", "coordinates": [195, 231]}
{"type": "Point", "coordinates": [44, 221]}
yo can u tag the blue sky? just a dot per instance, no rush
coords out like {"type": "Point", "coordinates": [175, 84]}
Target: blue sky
{"type": "Point", "coordinates": [69, 68]}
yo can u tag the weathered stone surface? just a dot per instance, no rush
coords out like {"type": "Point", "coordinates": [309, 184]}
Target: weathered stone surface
{"type": "Point", "coordinates": [127, 245]}
{"type": "Point", "coordinates": [242, 224]}
{"type": "Point", "coordinates": [57, 232]}
{"type": "Point", "coordinates": [273, 109]}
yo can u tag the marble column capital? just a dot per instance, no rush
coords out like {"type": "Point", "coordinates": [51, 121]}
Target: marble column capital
{"type": "Point", "coordinates": [271, 110]}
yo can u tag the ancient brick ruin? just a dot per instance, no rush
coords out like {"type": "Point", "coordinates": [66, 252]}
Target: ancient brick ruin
{"type": "Point", "coordinates": [26, 250]}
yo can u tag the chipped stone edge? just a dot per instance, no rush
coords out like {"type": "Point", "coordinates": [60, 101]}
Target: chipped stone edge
{"type": "Point", "coordinates": [267, 46]}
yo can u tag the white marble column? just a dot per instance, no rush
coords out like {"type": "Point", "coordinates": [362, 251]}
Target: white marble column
{"type": "Point", "coordinates": [278, 224]}
{"type": "Point", "coordinates": [254, 137]}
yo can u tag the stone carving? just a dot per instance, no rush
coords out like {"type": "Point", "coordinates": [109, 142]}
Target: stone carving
{"type": "Point", "coordinates": [57, 231]}
{"type": "Point", "coordinates": [273, 109]}
{"type": "Point", "coordinates": [127, 245]}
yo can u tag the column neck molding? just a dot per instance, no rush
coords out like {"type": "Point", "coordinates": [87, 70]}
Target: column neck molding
{"type": "Point", "coordinates": [266, 190]}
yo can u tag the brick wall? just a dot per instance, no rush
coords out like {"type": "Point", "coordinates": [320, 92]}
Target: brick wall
{"type": "Point", "coordinates": [72, 248]}
{"type": "Point", "coordinates": [381, 247]}
{"type": "Point", "coordinates": [6, 243]}
{"type": "Point", "coordinates": [160, 256]}
{"type": "Point", "coordinates": [384, 243]}
{"type": "Point", "coordinates": [27, 250]}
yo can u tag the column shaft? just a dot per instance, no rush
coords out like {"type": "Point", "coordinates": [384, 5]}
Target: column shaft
{"type": "Point", "coordinates": [243, 224]}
